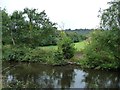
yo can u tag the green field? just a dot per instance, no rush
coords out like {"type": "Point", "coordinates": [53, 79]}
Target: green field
{"type": "Point", "coordinates": [79, 46]}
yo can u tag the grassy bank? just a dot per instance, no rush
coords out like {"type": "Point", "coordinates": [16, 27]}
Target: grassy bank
{"type": "Point", "coordinates": [44, 54]}
{"type": "Point", "coordinates": [47, 55]}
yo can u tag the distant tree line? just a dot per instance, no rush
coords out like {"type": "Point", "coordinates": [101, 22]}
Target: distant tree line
{"type": "Point", "coordinates": [78, 35]}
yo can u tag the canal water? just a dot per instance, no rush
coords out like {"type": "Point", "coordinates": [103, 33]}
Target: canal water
{"type": "Point", "coordinates": [35, 75]}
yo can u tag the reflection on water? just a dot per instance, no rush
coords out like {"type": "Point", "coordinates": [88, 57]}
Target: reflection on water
{"type": "Point", "coordinates": [35, 75]}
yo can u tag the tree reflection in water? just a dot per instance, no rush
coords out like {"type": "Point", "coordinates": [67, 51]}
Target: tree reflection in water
{"type": "Point", "coordinates": [102, 79]}
{"type": "Point", "coordinates": [38, 76]}
{"type": "Point", "coordinates": [35, 75]}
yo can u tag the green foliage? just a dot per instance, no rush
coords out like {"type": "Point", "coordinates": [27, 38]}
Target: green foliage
{"type": "Point", "coordinates": [24, 36]}
{"type": "Point", "coordinates": [38, 55]}
{"type": "Point", "coordinates": [66, 46]}
{"type": "Point", "coordinates": [38, 30]}
{"type": "Point", "coordinates": [58, 57]}
{"type": "Point", "coordinates": [27, 54]}
{"type": "Point", "coordinates": [103, 50]}
{"type": "Point", "coordinates": [110, 17]}
{"type": "Point", "coordinates": [11, 53]}
{"type": "Point", "coordinates": [76, 37]}
{"type": "Point", "coordinates": [46, 54]}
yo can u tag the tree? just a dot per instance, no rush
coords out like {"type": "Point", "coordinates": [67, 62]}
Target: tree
{"type": "Point", "coordinates": [66, 46]}
{"type": "Point", "coordinates": [40, 26]}
{"type": "Point", "coordinates": [110, 18]}
{"type": "Point", "coordinates": [103, 51]}
{"type": "Point", "coordinates": [5, 27]}
{"type": "Point", "coordinates": [31, 13]}
{"type": "Point", "coordinates": [28, 27]}
{"type": "Point", "coordinates": [17, 24]}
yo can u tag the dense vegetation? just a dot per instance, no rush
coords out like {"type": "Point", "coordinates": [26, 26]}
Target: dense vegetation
{"type": "Point", "coordinates": [103, 49]}
{"type": "Point", "coordinates": [28, 28]}
{"type": "Point", "coordinates": [26, 33]}
{"type": "Point", "coordinates": [78, 35]}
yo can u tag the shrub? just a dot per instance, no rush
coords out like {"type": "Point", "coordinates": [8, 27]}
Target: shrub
{"type": "Point", "coordinates": [26, 54]}
{"type": "Point", "coordinates": [66, 46]}
{"type": "Point", "coordinates": [13, 53]}
{"type": "Point", "coordinates": [58, 57]}
{"type": "Point", "coordinates": [103, 50]}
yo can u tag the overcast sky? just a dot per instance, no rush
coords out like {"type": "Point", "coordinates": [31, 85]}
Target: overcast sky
{"type": "Point", "coordinates": [72, 14]}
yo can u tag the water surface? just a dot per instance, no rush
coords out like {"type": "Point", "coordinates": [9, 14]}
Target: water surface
{"type": "Point", "coordinates": [35, 75]}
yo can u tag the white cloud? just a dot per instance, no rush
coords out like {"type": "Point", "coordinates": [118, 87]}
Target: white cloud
{"type": "Point", "coordinates": [73, 13]}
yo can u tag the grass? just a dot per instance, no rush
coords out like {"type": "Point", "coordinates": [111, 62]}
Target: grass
{"type": "Point", "coordinates": [49, 48]}
{"type": "Point", "coordinates": [79, 46]}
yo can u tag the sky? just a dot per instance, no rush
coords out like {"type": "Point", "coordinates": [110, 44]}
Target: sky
{"type": "Point", "coordinates": [73, 14]}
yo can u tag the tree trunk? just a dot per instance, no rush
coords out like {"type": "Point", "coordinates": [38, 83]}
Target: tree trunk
{"type": "Point", "coordinates": [13, 41]}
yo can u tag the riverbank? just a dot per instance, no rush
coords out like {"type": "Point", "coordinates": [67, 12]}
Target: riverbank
{"type": "Point", "coordinates": [48, 55]}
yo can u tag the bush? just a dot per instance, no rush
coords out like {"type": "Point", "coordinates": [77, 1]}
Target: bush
{"type": "Point", "coordinates": [103, 50]}
{"type": "Point", "coordinates": [58, 57]}
{"type": "Point", "coordinates": [66, 46]}
{"type": "Point", "coordinates": [26, 54]}
{"type": "Point", "coordinates": [13, 53]}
